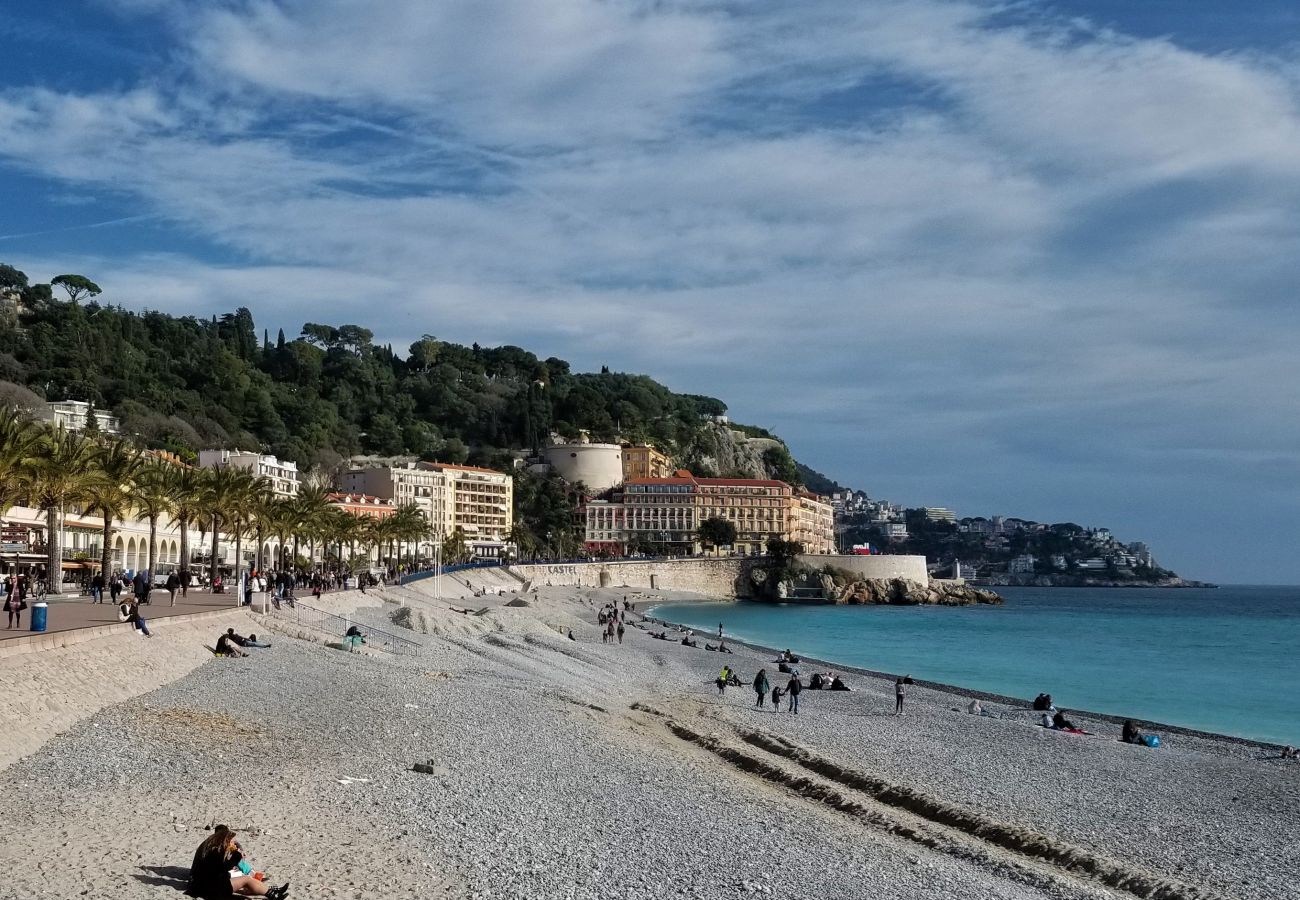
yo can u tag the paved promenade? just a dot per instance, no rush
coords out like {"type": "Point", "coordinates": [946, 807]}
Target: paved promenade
{"type": "Point", "coordinates": [80, 612]}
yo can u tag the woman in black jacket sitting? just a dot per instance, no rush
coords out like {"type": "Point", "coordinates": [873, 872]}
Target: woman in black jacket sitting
{"type": "Point", "coordinates": [215, 875]}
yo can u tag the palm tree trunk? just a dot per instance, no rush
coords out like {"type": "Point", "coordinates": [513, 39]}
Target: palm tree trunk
{"type": "Point", "coordinates": [54, 561]}
{"type": "Point", "coordinates": [185, 546]}
{"type": "Point", "coordinates": [153, 545]}
{"type": "Point", "coordinates": [106, 551]}
{"type": "Point", "coordinates": [239, 559]}
{"type": "Point", "coordinates": [216, 544]}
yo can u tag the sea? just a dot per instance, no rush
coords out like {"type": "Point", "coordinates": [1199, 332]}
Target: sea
{"type": "Point", "coordinates": [1225, 660]}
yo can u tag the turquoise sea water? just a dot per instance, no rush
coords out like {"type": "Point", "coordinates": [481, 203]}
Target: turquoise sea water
{"type": "Point", "coordinates": [1225, 660]}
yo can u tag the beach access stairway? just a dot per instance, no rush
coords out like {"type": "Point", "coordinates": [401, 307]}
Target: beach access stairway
{"type": "Point", "coordinates": [334, 625]}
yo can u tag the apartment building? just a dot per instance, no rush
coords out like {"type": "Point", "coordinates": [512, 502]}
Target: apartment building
{"type": "Point", "coordinates": [363, 506]}
{"type": "Point", "coordinates": [283, 476]}
{"type": "Point", "coordinates": [644, 462]}
{"type": "Point", "coordinates": [814, 523]}
{"type": "Point", "coordinates": [71, 415]}
{"type": "Point", "coordinates": [668, 512]}
{"type": "Point", "coordinates": [480, 502]}
{"type": "Point", "coordinates": [406, 484]}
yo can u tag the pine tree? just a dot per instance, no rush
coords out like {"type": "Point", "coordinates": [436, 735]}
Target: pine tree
{"type": "Point", "coordinates": [92, 420]}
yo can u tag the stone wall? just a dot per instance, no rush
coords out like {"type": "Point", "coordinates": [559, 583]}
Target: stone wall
{"type": "Point", "coordinates": [711, 577]}
{"type": "Point", "coordinates": [910, 568]}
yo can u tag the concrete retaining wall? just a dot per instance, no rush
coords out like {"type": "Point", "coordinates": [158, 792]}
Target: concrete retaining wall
{"type": "Point", "coordinates": [711, 577]}
{"type": "Point", "coordinates": [911, 568]}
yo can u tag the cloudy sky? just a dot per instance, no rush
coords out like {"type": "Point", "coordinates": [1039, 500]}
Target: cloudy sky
{"type": "Point", "coordinates": [1037, 259]}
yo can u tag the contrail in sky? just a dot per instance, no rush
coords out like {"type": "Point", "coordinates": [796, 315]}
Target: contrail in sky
{"type": "Point", "coordinates": [106, 222]}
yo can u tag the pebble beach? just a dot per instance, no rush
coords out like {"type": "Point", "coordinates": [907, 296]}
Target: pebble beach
{"type": "Point", "coordinates": [550, 767]}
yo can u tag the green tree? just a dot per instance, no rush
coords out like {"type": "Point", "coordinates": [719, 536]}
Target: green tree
{"type": "Point", "coordinates": [17, 436]}
{"type": "Point", "coordinates": [152, 497]}
{"type": "Point", "coordinates": [110, 492]}
{"type": "Point", "coordinates": [92, 421]}
{"type": "Point", "coordinates": [77, 286]}
{"type": "Point", "coordinates": [716, 532]}
{"type": "Point", "coordinates": [59, 472]}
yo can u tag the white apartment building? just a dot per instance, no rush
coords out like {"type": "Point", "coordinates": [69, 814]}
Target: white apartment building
{"type": "Point", "coordinates": [1021, 565]}
{"type": "Point", "coordinates": [283, 476]}
{"type": "Point", "coordinates": [480, 502]}
{"type": "Point", "coordinates": [71, 415]}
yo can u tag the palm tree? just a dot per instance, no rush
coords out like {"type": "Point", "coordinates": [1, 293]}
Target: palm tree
{"type": "Point", "coordinates": [110, 492]}
{"type": "Point", "coordinates": [187, 488]}
{"type": "Point", "coordinates": [59, 471]}
{"type": "Point", "coordinates": [153, 497]}
{"type": "Point", "coordinates": [311, 506]}
{"type": "Point", "coordinates": [17, 434]}
{"type": "Point", "coordinates": [241, 510]}
{"type": "Point", "coordinates": [220, 495]}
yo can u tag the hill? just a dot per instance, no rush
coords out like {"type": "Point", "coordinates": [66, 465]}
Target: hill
{"type": "Point", "coordinates": [185, 383]}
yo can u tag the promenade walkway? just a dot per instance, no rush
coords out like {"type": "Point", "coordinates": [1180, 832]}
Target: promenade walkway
{"type": "Point", "coordinates": [80, 612]}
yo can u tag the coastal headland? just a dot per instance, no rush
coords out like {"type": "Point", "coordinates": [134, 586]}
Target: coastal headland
{"type": "Point", "coordinates": [559, 767]}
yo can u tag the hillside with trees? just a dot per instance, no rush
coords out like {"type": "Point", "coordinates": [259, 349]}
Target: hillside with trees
{"type": "Point", "coordinates": [182, 383]}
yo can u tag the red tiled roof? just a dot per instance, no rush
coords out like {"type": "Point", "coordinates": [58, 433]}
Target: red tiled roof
{"type": "Point", "coordinates": [338, 497]}
{"type": "Point", "coordinates": [439, 465]}
{"type": "Point", "coordinates": [728, 482]}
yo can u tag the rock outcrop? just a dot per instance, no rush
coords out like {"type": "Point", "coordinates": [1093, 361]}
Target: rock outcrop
{"type": "Point", "coordinates": [841, 587]}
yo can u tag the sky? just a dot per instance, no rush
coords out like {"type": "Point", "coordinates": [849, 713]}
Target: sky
{"type": "Point", "coordinates": [1019, 258]}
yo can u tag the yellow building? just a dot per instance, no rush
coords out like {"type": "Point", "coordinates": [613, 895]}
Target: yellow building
{"type": "Point", "coordinates": [644, 462]}
{"type": "Point", "coordinates": [666, 513]}
{"type": "Point", "coordinates": [814, 523]}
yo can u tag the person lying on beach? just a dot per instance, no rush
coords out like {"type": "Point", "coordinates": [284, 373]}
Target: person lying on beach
{"type": "Point", "coordinates": [735, 681]}
{"type": "Point", "coordinates": [227, 647]}
{"type": "Point", "coordinates": [237, 638]}
{"type": "Point", "coordinates": [687, 642]}
{"type": "Point", "coordinates": [252, 641]}
{"type": "Point", "coordinates": [837, 685]}
{"type": "Point", "coordinates": [710, 647]}
{"type": "Point", "coordinates": [723, 648]}
{"type": "Point", "coordinates": [783, 667]}
{"type": "Point", "coordinates": [1061, 723]}
{"type": "Point", "coordinates": [215, 873]}
{"type": "Point", "coordinates": [1130, 734]}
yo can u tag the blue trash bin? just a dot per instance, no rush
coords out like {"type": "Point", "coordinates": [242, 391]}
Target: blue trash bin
{"type": "Point", "coordinates": [39, 613]}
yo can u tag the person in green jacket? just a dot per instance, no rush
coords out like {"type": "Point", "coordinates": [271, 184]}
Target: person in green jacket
{"type": "Point", "coordinates": [761, 687]}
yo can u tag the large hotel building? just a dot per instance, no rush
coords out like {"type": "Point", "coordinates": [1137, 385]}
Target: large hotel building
{"type": "Point", "coordinates": [668, 511]}
{"type": "Point", "coordinates": [480, 502]}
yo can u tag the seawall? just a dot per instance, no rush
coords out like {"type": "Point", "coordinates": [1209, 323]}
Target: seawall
{"type": "Point", "coordinates": [723, 577]}
{"type": "Point", "coordinates": [909, 568]}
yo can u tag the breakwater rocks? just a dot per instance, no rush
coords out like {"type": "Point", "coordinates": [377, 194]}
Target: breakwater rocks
{"type": "Point", "coordinates": [900, 592]}
{"type": "Point", "coordinates": [837, 586]}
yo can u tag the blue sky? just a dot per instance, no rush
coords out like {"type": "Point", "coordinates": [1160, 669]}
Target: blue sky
{"type": "Point", "coordinates": [1019, 258]}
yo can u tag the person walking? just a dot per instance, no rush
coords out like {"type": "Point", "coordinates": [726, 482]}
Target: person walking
{"type": "Point", "coordinates": [14, 605]}
{"type": "Point", "coordinates": [97, 588]}
{"type": "Point", "coordinates": [172, 584]}
{"type": "Point", "coordinates": [115, 587]}
{"type": "Point", "coordinates": [723, 679]}
{"type": "Point", "coordinates": [761, 687]}
{"type": "Point", "coordinates": [793, 689]}
{"type": "Point", "coordinates": [898, 697]}
{"type": "Point", "coordinates": [620, 631]}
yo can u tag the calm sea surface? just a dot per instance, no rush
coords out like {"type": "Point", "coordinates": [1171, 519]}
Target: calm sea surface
{"type": "Point", "coordinates": [1225, 660]}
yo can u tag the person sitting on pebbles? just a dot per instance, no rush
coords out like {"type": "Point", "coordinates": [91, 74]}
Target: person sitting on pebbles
{"type": "Point", "coordinates": [216, 873]}
{"type": "Point", "coordinates": [228, 646]}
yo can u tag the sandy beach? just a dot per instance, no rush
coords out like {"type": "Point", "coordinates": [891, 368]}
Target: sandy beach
{"type": "Point", "coordinates": [576, 769]}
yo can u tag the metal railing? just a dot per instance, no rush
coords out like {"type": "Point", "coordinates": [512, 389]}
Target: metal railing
{"type": "Point", "coordinates": [330, 623]}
